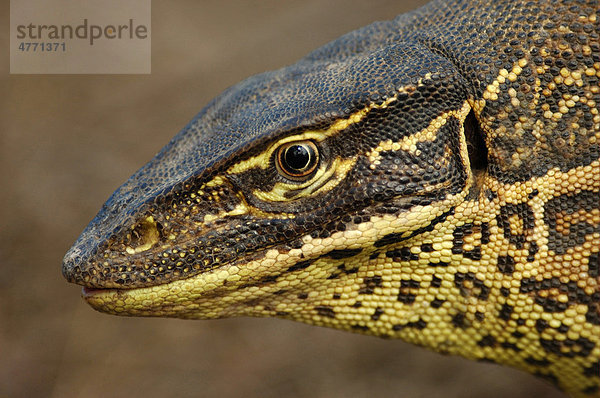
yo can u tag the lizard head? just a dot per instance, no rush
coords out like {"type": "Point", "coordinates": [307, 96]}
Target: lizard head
{"type": "Point", "coordinates": [285, 194]}
{"type": "Point", "coordinates": [353, 190]}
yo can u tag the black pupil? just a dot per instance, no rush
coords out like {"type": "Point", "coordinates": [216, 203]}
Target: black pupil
{"type": "Point", "coordinates": [297, 157]}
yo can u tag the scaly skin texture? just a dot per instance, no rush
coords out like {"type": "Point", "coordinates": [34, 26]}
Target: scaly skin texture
{"type": "Point", "coordinates": [446, 193]}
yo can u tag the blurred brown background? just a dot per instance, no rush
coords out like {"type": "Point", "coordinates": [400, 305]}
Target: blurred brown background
{"type": "Point", "coordinates": [66, 142]}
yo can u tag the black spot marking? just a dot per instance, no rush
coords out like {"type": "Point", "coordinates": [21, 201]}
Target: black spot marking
{"type": "Point", "coordinates": [374, 255]}
{"type": "Point", "coordinates": [406, 298]}
{"type": "Point", "coordinates": [343, 270]}
{"type": "Point", "coordinates": [357, 304]}
{"type": "Point", "coordinates": [504, 291]}
{"type": "Point", "coordinates": [533, 249]}
{"type": "Point", "coordinates": [410, 283]}
{"type": "Point", "coordinates": [440, 264]}
{"type": "Point", "coordinates": [269, 279]}
{"type": "Point", "coordinates": [533, 194]}
{"type": "Point", "coordinates": [337, 296]}
{"type": "Point", "coordinates": [591, 389]}
{"type": "Point", "coordinates": [470, 285]}
{"type": "Point", "coordinates": [402, 254]}
{"type": "Point", "coordinates": [419, 325]}
{"type": "Point", "coordinates": [559, 241]}
{"type": "Point", "coordinates": [537, 362]}
{"type": "Point", "coordinates": [458, 320]}
{"type": "Point", "coordinates": [377, 314]}
{"type": "Point", "coordinates": [347, 271]}
{"type": "Point", "coordinates": [505, 312]}
{"type": "Point", "coordinates": [487, 341]}
{"type": "Point", "coordinates": [506, 264]}
{"type": "Point", "coordinates": [361, 328]}
{"type": "Point", "coordinates": [265, 280]}
{"type": "Point", "coordinates": [302, 296]}
{"type": "Point", "coordinates": [369, 284]}
{"type": "Point", "coordinates": [490, 195]}
{"type": "Point", "coordinates": [593, 314]}
{"type": "Point", "coordinates": [551, 304]}
{"type": "Point", "coordinates": [436, 282]}
{"type": "Point", "coordinates": [541, 325]}
{"type": "Point", "coordinates": [563, 328]}
{"type": "Point", "coordinates": [299, 266]}
{"type": "Point", "coordinates": [480, 316]}
{"type": "Point", "coordinates": [594, 265]}
{"type": "Point", "coordinates": [575, 294]}
{"type": "Point", "coordinates": [485, 233]}
{"type": "Point", "coordinates": [568, 348]}
{"type": "Point", "coordinates": [282, 313]}
{"type": "Point", "coordinates": [510, 346]}
{"type": "Point", "coordinates": [325, 310]}
{"type": "Point", "coordinates": [251, 303]}
{"type": "Point", "coordinates": [593, 370]}
{"type": "Point", "coordinates": [521, 210]}
{"type": "Point", "coordinates": [427, 248]}
{"type": "Point", "coordinates": [437, 303]}
{"type": "Point", "coordinates": [405, 295]}
{"type": "Point", "coordinates": [458, 241]}
{"type": "Point", "coordinates": [342, 253]}
{"type": "Point", "coordinates": [399, 237]}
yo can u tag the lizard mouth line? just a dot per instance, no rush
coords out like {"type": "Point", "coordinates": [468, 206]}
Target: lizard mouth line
{"type": "Point", "coordinates": [88, 292]}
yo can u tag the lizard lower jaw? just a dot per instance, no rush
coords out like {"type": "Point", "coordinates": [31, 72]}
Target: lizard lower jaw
{"type": "Point", "coordinates": [110, 300]}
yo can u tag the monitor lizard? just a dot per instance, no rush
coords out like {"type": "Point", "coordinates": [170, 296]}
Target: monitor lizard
{"type": "Point", "coordinates": [433, 178]}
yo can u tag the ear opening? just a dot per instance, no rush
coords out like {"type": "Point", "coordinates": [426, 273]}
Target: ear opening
{"type": "Point", "coordinates": [478, 153]}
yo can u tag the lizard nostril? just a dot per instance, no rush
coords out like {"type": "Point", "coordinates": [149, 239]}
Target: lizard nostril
{"type": "Point", "coordinates": [144, 235]}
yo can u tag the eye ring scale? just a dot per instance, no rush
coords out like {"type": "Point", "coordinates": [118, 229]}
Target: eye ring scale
{"type": "Point", "coordinates": [297, 160]}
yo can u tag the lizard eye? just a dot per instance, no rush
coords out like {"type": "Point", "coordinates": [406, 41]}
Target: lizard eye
{"type": "Point", "coordinates": [297, 160]}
